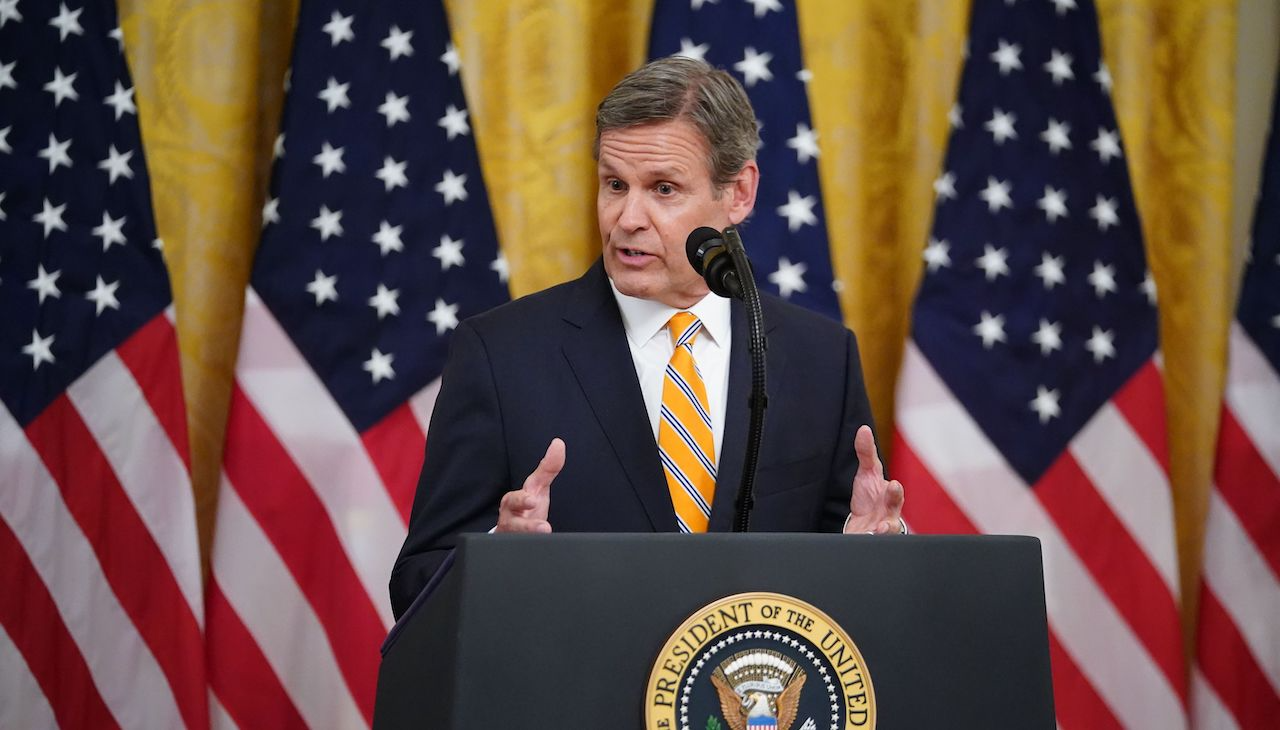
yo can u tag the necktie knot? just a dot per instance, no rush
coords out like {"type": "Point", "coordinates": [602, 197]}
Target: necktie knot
{"type": "Point", "coordinates": [684, 327]}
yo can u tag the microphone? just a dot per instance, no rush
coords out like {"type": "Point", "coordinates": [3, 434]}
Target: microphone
{"type": "Point", "coordinates": [708, 254]}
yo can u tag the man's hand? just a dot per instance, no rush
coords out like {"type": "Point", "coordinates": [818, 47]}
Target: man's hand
{"type": "Point", "coordinates": [876, 506]}
{"type": "Point", "coordinates": [525, 509]}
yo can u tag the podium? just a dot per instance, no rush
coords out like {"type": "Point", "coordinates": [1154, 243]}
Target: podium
{"type": "Point", "coordinates": [565, 631]}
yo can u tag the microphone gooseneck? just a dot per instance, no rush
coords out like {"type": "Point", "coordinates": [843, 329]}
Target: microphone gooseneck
{"type": "Point", "coordinates": [722, 261]}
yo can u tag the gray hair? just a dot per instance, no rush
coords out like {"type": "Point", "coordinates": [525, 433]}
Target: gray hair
{"type": "Point", "coordinates": [677, 87]}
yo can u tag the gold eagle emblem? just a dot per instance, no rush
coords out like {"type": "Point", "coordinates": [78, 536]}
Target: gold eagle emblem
{"type": "Point", "coordinates": [758, 684]}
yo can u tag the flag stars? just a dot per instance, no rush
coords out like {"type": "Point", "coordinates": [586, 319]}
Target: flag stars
{"type": "Point", "coordinates": [9, 11]}
{"type": "Point", "coordinates": [117, 164]}
{"type": "Point", "coordinates": [328, 223]}
{"type": "Point", "coordinates": [994, 262]}
{"type": "Point", "coordinates": [1059, 67]}
{"type": "Point", "coordinates": [762, 7]}
{"type": "Point", "coordinates": [46, 283]}
{"type": "Point", "coordinates": [754, 67]}
{"type": "Point", "coordinates": [111, 231]}
{"type": "Point", "coordinates": [1148, 288]}
{"type": "Point", "coordinates": [103, 296]}
{"type": "Point", "coordinates": [379, 366]}
{"type": "Point", "coordinates": [1106, 144]}
{"type": "Point", "coordinates": [121, 100]}
{"type": "Point", "coordinates": [51, 217]}
{"type": "Point", "coordinates": [4, 140]}
{"type": "Point", "coordinates": [1103, 77]}
{"type": "Point", "coordinates": [1102, 279]}
{"type": "Point", "coordinates": [117, 34]}
{"type": "Point", "coordinates": [454, 122]}
{"type": "Point", "coordinates": [1045, 404]}
{"type": "Point", "coordinates": [39, 350]}
{"type": "Point", "coordinates": [67, 22]}
{"type": "Point", "coordinates": [1104, 212]}
{"type": "Point", "coordinates": [444, 316]}
{"type": "Point", "coordinates": [270, 212]}
{"type": "Point", "coordinates": [500, 267]}
{"type": "Point", "coordinates": [1057, 136]}
{"type": "Point", "coordinates": [394, 108]}
{"type": "Point", "coordinates": [3, 215]}
{"type": "Point", "coordinates": [62, 87]}
{"type": "Point", "coordinates": [6, 75]}
{"type": "Point", "coordinates": [450, 59]}
{"type": "Point", "coordinates": [1048, 337]}
{"type": "Point", "coordinates": [56, 153]}
{"type": "Point", "coordinates": [449, 252]}
{"type": "Point", "coordinates": [330, 159]}
{"type": "Point", "coordinates": [805, 143]}
{"type": "Point", "coordinates": [990, 329]}
{"type": "Point", "coordinates": [996, 195]}
{"type": "Point", "coordinates": [277, 147]}
{"type": "Point", "coordinates": [385, 301]}
{"type": "Point", "coordinates": [452, 187]}
{"type": "Point", "coordinates": [1050, 271]}
{"type": "Point", "coordinates": [944, 187]}
{"type": "Point", "coordinates": [339, 28]}
{"type": "Point", "coordinates": [955, 116]}
{"type": "Point", "coordinates": [937, 254]}
{"type": "Point", "coordinates": [1006, 57]}
{"type": "Point", "coordinates": [388, 238]}
{"type": "Point", "coordinates": [689, 49]}
{"type": "Point", "coordinates": [798, 211]}
{"type": "Point", "coordinates": [397, 43]}
{"type": "Point", "coordinates": [392, 174]}
{"type": "Point", "coordinates": [1101, 345]}
{"type": "Point", "coordinates": [789, 278]}
{"type": "Point", "coordinates": [1053, 203]}
{"type": "Point", "coordinates": [335, 95]}
{"type": "Point", "coordinates": [1000, 125]}
{"type": "Point", "coordinates": [1062, 6]}
{"type": "Point", "coordinates": [323, 288]}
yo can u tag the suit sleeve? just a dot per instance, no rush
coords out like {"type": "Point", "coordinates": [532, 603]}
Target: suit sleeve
{"type": "Point", "coordinates": [464, 473]}
{"type": "Point", "coordinates": [856, 411]}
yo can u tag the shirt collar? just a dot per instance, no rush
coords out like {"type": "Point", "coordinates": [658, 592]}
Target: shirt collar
{"type": "Point", "coordinates": [643, 319]}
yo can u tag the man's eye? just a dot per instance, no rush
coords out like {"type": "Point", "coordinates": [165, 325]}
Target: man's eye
{"type": "Point", "coordinates": [665, 189]}
{"type": "Point", "coordinates": [615, 184]}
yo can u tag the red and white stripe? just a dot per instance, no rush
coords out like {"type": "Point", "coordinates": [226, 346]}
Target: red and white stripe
{"type": "Point", "coordinates": [311, 517]}
{"type": "Point", "coordinates": [102, 611]}
{"type": "Point", "coordinates": [1236, 679]}
{"type": "Point", "coordinates": [1103, 515]}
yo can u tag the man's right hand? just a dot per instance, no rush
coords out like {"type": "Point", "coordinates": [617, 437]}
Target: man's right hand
{"type": "Point", "coordinates": [525, 509]}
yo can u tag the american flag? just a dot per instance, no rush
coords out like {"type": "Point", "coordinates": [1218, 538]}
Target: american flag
{"type": "Point", "coordinates": [101, 610]}
{"type": "Point", "coordinates": [1030, 399]}
{"type": "Point", "coordinates": [759, 42]}
{"type": "Point", "coordinates": [377, 239]}
{"type": "Point", "coordinates": [1236, 680]}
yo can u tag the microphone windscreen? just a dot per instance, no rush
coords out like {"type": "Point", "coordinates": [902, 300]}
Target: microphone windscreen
{"type": "Point", "coordinates": [694, 242]}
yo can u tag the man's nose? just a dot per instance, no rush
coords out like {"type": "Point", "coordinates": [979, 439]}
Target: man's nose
{"type": "Point", "coordinates": [635, 213]}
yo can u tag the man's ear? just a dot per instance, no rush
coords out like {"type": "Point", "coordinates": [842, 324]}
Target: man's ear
{"type": "Point", "coordinates": [741, 192]}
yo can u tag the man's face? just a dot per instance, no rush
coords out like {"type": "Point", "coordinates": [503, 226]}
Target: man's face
{"type": "Point", "coordinates": [655, 188]}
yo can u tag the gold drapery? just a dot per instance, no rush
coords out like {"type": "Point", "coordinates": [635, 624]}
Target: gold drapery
{"type": "Point", "coordinates": [209, 73]}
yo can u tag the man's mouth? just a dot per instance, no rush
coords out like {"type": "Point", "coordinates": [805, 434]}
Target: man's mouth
{"type": "Point", "coordinates": [633, 253]}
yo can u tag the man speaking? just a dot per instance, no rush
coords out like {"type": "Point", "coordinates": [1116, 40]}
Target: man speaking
{"type": "Point", "coordinates": [618, 402]}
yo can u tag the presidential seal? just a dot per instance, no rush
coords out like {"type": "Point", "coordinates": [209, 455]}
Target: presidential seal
{"type": "Point", "coordinates": [759, 661]}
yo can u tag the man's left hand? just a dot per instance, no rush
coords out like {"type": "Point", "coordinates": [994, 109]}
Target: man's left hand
{"type": "Point", "coordinates": [876, 506]}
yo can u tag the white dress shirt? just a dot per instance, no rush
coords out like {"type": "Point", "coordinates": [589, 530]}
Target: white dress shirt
{"type": "Point", "coordinates": [645, 322]}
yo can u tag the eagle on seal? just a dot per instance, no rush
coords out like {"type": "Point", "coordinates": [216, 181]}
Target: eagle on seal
{"type": "Point", "coordinates": [752, 711]}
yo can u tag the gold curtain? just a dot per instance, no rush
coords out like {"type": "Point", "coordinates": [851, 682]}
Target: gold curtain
{"type": "Point", "coordinates": [885, 73]}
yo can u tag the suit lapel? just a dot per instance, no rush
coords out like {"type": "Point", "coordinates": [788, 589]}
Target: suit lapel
{"type": "Point", "coordinates": [737, 416]}
{"type": "Point", "coordinates": [597, 351]}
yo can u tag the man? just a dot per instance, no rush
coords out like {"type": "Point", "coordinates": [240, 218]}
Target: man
{"type": "Point", "coordinates": [618, 402]}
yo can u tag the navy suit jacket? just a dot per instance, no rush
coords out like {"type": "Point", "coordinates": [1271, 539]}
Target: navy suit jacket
{"type": "Point", "coordinates": [557, 363]}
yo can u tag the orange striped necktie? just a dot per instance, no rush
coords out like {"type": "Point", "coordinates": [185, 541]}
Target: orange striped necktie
{"type": "Point", "coordinates": [686, 443]}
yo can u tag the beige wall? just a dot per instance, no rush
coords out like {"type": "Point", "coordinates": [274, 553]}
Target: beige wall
{"type": "Point", "coordinates": [1257, 59]}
